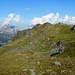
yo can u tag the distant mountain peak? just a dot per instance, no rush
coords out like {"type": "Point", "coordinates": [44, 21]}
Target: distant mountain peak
{"type": "Point", "coordinates": [7, 28]}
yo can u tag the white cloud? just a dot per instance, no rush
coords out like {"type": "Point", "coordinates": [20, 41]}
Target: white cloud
{"type": "Point", "coordinates": [11, 18]}
{"type": "Point", "coordinates": [16, 18]}
{"type": "Point", "coordinates": [53, 18]}
{"type": "Point", "coordinates": [27, 9]}
{"type": "Point", "coordinates": [72, 20]}
{"type": "Point", "coordinates": [11, 15]}
{"type": "Point", "coordinates": [47, 17]}
{"type": "Point", "coordinates": [43, 19]}
{"type": "Point", "coordinates": [66, 18]}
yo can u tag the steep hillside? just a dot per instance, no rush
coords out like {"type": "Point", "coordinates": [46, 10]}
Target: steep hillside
{"type": "Point", "coordinates": [46, 49]}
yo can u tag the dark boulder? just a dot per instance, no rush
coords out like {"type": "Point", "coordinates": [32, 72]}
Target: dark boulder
{"type": "Point", "coordinates": [73, 28]}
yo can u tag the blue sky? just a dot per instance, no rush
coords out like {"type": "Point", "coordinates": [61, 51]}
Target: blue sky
{"type": "Point", "coordinates": [31, 11]}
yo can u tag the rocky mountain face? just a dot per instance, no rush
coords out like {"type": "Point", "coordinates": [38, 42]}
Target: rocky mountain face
{"type": "Point", "coordinates": [9, 29]}
{"type": "Point", "coordinates": [6, 32]}
{"type": "Point", "coordinates": [45, 49]}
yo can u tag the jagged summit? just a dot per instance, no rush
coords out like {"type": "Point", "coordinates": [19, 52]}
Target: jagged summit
{"type": "Point", "coordinates": [47, 23]}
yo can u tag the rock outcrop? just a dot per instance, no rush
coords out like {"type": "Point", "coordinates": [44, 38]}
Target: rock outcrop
{"type": "Point", "coordinates": [57, 48]}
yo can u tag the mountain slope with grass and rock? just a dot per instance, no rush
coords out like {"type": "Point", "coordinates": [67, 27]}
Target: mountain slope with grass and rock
{"type": "Point", "coordinates": [45, 49]}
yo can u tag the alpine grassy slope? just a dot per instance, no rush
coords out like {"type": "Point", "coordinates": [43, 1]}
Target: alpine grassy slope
{"type": "Point", "coordinates": [45, 49]}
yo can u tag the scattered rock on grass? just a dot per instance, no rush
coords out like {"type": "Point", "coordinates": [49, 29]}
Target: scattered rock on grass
{"type": "Point", "coordinates": [32, 71]}
{"type": "Point", "coordinates": [56, 63]}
